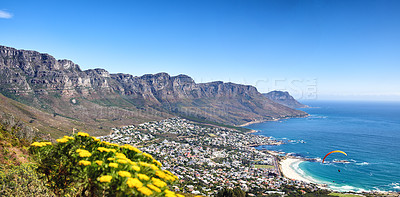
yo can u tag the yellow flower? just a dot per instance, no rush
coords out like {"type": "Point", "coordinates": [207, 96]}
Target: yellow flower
{"type": "Point", "coordinates": [62, 140]}
{"type": "Point", "coordinates": [110, 159]}
{"type": "Point", "coordinates": [168, 172]}
{"type": "Point", "coordinates": [154, 167]}
{"type": "Point", "coordinates": [105, 178]}
{"type": "Point", "coordinates": [134, 182]}
{"type": "Point", "coordinates": [112, 150]}
{"type": "Point", "coordinates": [143, 177]}
{"type": "Point", "coordinates": [103, 149]}
{"type": "Point", "coordinates": [83, 134]}
{"type": "Point", "coordinates": [114, 165]}
{"type": "Point", "coordinates": [36, 144]}
{"type": "Point", "coordinates": [120, 156]}
{"type": "Point", "coordinates": [136, 150]}
{"type": "Point", "coordinates": [68, 137]}
{"type": "Point", "coordinates": [40, 144]}
{"type": "Point", "coordinates": [180, 195]}
{"type": "Point", "coordinates": [147, 155]}
{"type": "Point", "coordinates": [157, 182]}
{"type": "Point", "coordinates": [169, 193]}
{"type": "Point", "coordinates": [136, 168]}
{"type": "Point", "coordinates": [85, 163]}
{"type": "Point", "coordinates": [116, 145]}
{"type": "Point", "coordinates": [144, 164]}
{"type": "Point", "coordinates": [122, 161]}
{"type": "Point", "coordinates": [84, 153]}
{"type": "Point", "coordinates": [157, 162]}
{"type": "Point", "coordinates": [145, 191]}
{"type": "Point", "coordinates": [160, 174]}
{"type": "Point", "coordinates": [154, 188]}
{"type": "Point", "coordinates": [131, 148]}
{"type": "Point", "coordinates": [124, 174]}
{"type": "Point", "coordinates": [95, 139]}
{"type": "Point", "coordinates": [169, 178]}
{"type": "Point", "coordinates": [99, 162]}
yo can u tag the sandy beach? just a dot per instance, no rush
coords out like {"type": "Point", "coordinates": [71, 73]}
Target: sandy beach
{"type": "Point", "coordinates": [251, 122]}
{"type": "Point", "coordinates": [289, 172]}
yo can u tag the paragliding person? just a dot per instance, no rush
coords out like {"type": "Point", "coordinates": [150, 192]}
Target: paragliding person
{"type": "Point", "coordinates": [335, 151]}
{"type": "Point", "coordinates": [338, 170]}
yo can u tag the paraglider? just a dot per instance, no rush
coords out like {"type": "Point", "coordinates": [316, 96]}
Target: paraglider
{"type": "Point", "coordinates": [335, 151]}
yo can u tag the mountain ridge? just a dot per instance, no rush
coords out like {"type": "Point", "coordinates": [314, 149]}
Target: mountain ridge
{"type": "Point", "coordinates": [61, 88]}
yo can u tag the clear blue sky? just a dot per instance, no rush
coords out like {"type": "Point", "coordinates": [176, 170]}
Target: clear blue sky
{"type": "Point", "coordinates": [336, 49]}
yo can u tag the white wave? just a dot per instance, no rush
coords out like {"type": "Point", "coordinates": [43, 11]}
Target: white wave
{"type": "Point", "coordinates": [395, 185]}
{"type": "Point", "coordinates": [376, 189]}
{"type": "Point", "coordinates": [362, 164]}
{"type": "Point", "coordinates": [295, 166]}
{"type": "Point", "coordinates": [346, 188]}
{"type": "Point", "coordinates": [317, 117]}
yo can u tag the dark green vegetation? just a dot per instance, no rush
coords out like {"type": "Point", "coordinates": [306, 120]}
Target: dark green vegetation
{"type": "Point", "coordinates": [15, 140]}
{"type": "Point", "coordinates": [296, 192]}
{"type": "Point", "coordinates": [206, 123]}
{"type": "Point", "coordinates": [236, 192]}
{"type": "Point", "coordinates": [18, 177]}
{"type": "Point", "coordinates": [289, 191]}
{"type": "Point", "coordinates": [22, 180]}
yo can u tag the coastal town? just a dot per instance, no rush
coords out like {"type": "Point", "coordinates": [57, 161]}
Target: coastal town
{"type": "Point", "coordinates": [209, 158]}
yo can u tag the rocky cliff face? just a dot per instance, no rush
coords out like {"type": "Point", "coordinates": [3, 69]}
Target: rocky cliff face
{"type": "Point", "coordinates": [284, 98]}
{"type": "Point", "coordinates": [61, 87]}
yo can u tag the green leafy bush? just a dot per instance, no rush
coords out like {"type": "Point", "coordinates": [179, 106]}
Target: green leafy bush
{"type": "Point", "coordinates": [85, 166]}
{"type": "Point", "coordinates": [21, 180]}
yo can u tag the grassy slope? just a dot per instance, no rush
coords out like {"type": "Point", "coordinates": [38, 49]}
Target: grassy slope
{"type": "Point", "coordinates": [62, 123]}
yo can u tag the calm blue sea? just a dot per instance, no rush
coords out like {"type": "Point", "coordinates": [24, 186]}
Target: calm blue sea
{"type": "Point", "coordinates": [369, 132]}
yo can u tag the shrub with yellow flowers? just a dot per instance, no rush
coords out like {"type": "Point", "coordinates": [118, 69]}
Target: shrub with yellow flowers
{"type": "Point", "coordinates": [85, 166]}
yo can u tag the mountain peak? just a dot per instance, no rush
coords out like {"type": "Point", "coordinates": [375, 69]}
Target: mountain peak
{"type": "Point", "coordinates": [284, 98]}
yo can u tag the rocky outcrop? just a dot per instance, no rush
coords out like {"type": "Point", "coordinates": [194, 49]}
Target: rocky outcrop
{"type": "Point", "coordinates": [61, 87]}
{"type": "Point", "coordinates": [284, 98]}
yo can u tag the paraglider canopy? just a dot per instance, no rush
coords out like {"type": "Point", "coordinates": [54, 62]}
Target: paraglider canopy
{"type": "Point", "coordinates": [335, 151]}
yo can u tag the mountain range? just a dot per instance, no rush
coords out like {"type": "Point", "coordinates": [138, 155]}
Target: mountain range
{"type": "Point", "coordinates": [57, 95]}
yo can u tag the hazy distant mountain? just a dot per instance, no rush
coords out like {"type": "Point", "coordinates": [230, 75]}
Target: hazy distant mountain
{"type": "Point", "coordinates": [96, 97]}
{"type": "Point", "coordinates": [284, 98]}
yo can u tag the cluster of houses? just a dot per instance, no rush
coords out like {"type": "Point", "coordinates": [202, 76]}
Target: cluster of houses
{"type": "Point", "coordinates": [207, 158]}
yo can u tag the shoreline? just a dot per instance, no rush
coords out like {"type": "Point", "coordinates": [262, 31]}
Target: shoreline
{"type": "Point", "coordinates": [251, 131]}
{"type": "Point", "coordinates": [290, 173]}
{"type": "Point", "coordinates": [252, 122]}
{"type": "Point", "coordinates": [271, 120]}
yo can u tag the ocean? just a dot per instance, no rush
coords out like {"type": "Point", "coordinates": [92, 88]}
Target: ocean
{"type": "Point", "coordinates": [369, 132]}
